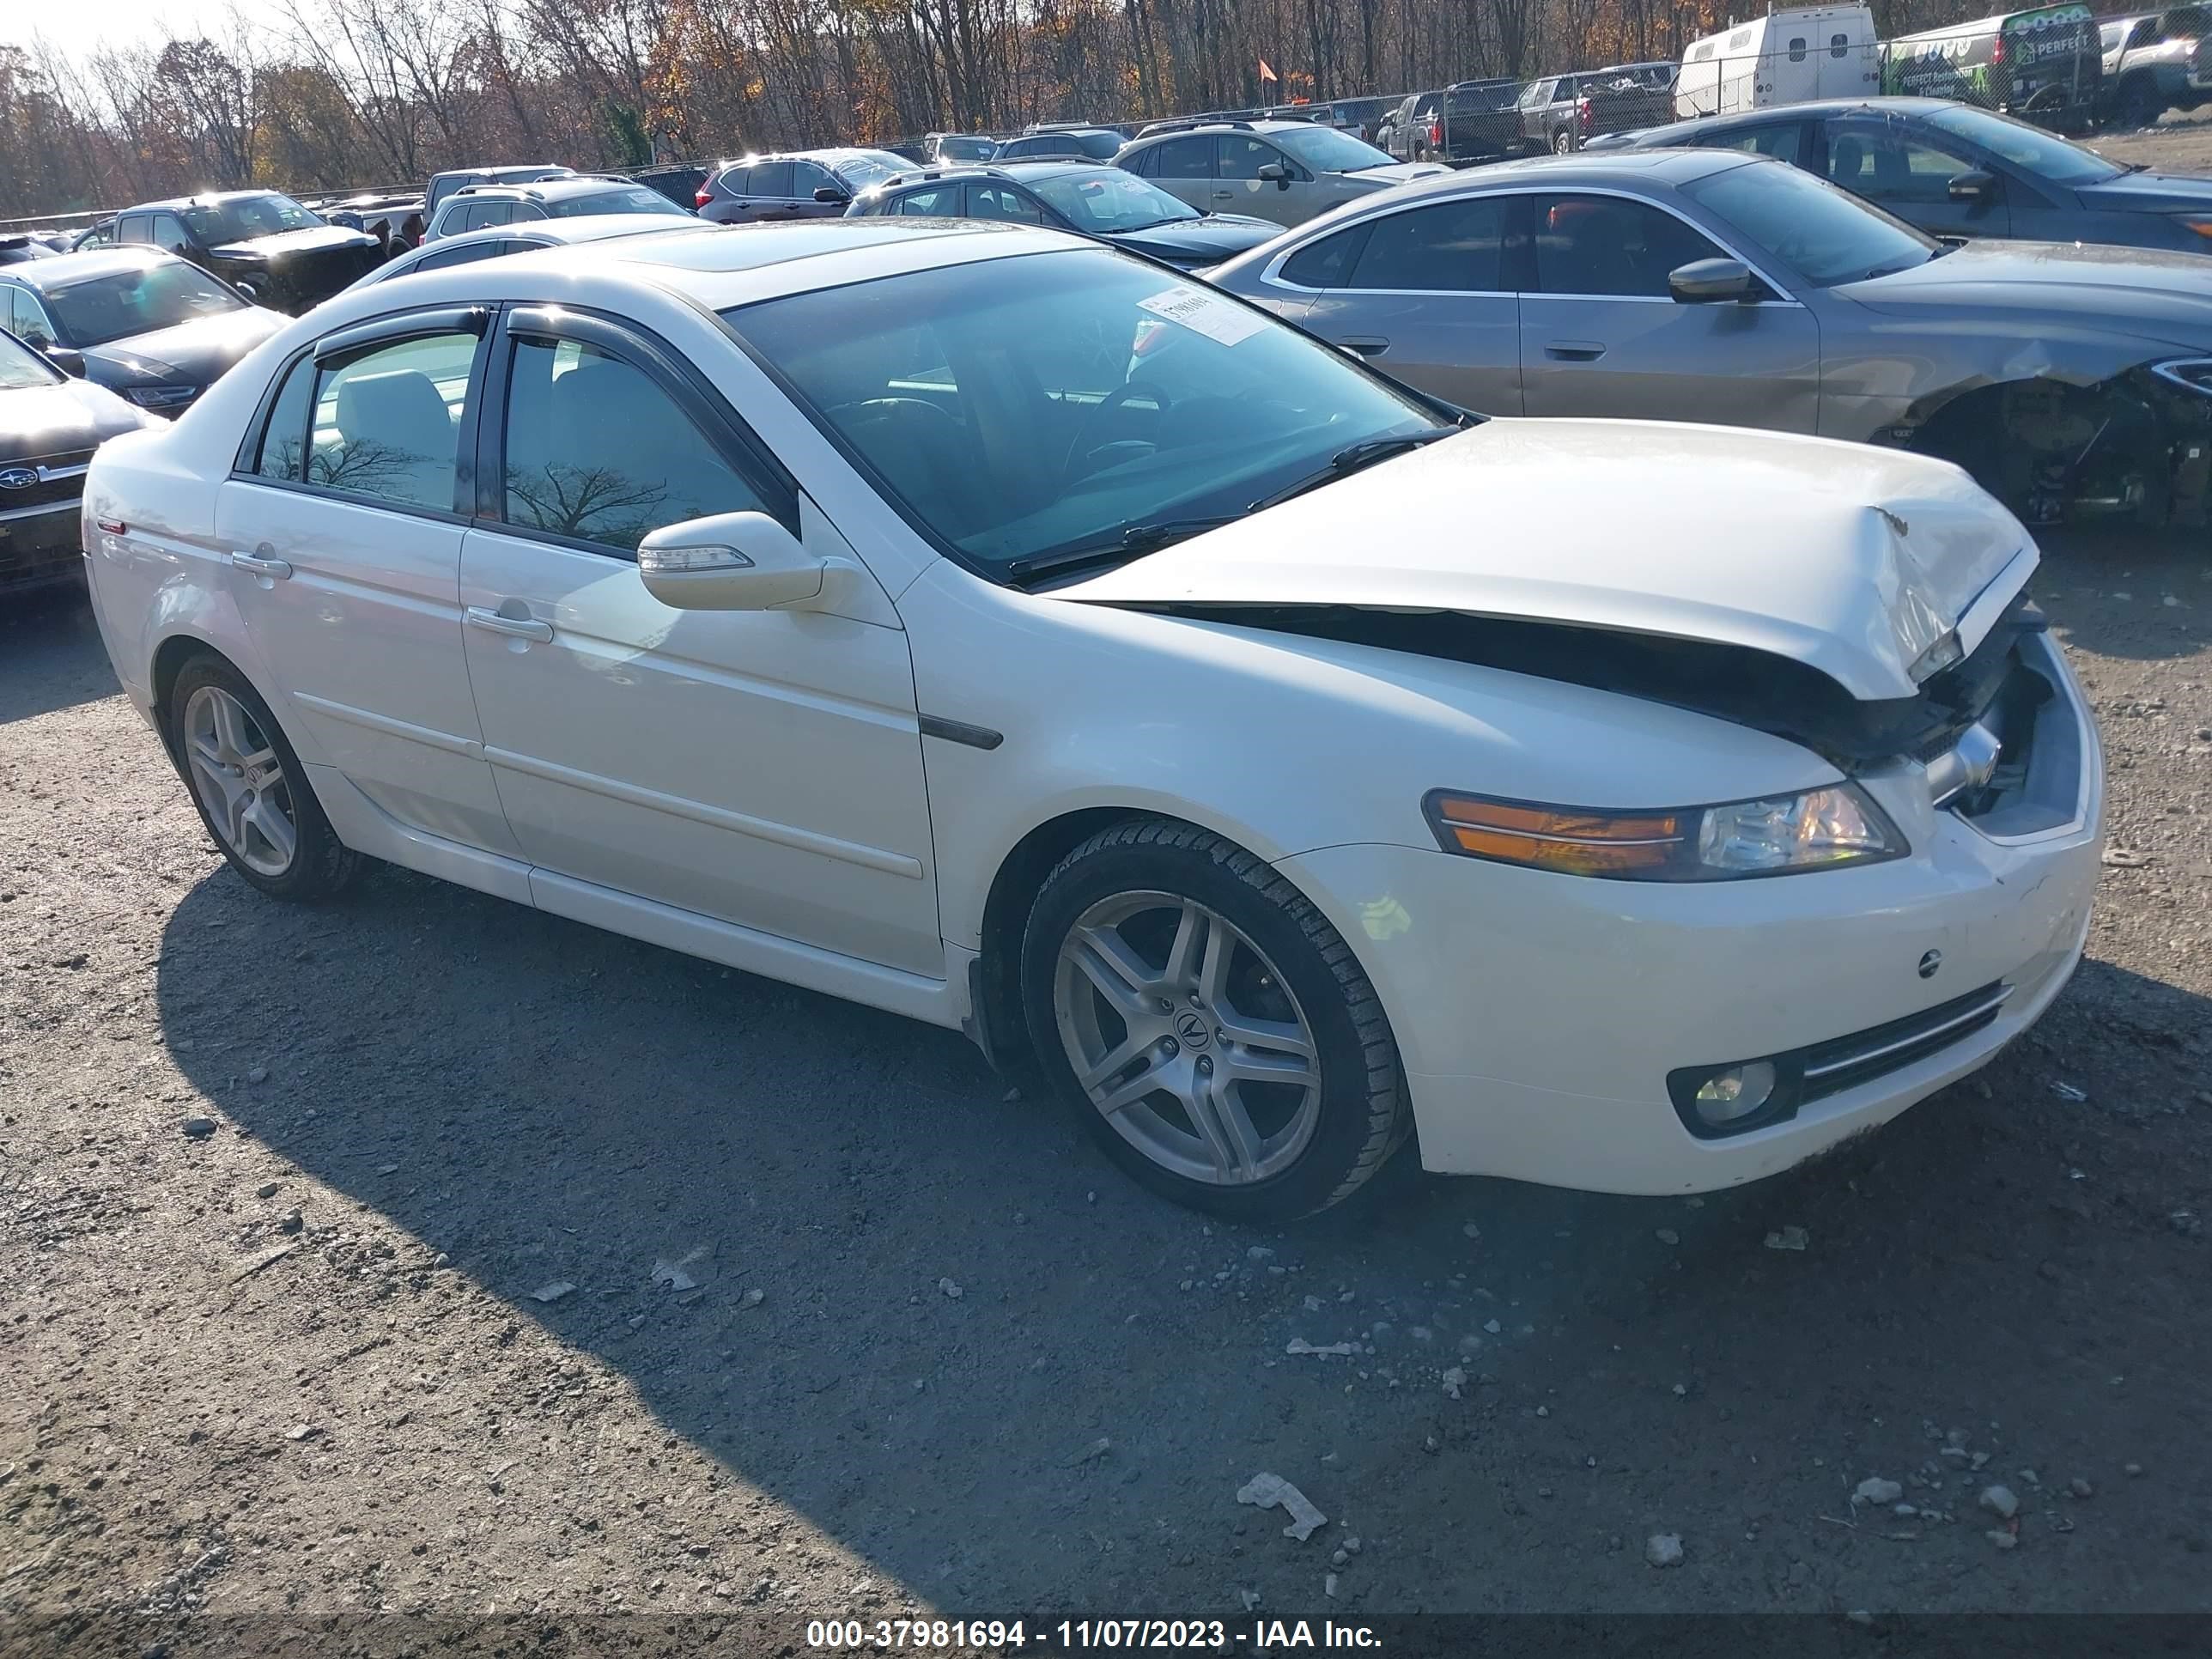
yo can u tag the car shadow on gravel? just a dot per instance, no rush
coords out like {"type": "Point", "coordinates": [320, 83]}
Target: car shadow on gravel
{"type": "Point", "coordinates": [826, 1248]}
{"type": "Point", "coordinates": [50, 647]}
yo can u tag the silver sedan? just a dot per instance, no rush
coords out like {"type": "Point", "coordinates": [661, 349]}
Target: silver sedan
{"type": "Point", "coordinates": [1710, 286]}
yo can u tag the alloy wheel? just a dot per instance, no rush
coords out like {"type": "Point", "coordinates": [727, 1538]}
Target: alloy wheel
{"type": "Point", "coordinates": [1187, 1039]}
{"type": "Point", "coordinates": [239, 780]}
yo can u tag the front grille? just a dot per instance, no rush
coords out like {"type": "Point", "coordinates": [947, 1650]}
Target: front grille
{"type": "Point", "coordinates": [1845, 1062]}
{"type": "Point", "coordinates": [56, 479]}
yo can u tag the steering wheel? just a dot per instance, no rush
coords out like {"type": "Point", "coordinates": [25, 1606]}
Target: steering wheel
{"type": "Point", "coordinates": [883, 408]}
{"type": "Point", "coordinates": [1106, 405]}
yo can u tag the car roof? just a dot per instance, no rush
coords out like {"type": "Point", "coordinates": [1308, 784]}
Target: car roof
{"type": "Point", "coordinates": [545, 190]}
{"type": "Point", "coordinates": [766, 261]}
{"type": "Point", "coordinates": [504, 170]}
{"type": "Point", "coordinates": [1678, 132]}
{"type": "Point", "coordinates": [1229, 124]}
{"type": "Point", "coordinates": [831, 154]}
{"type": "Point", "coordinates": [205, 198]}
{"type": "Point", "coordinates": [1671, 168]}
{"type": "Point", "coordinates": [65, 269]}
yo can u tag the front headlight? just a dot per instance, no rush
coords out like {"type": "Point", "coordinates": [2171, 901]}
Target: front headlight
{"type": "Point", "coordinates": [161, 396]}
{"type": "Point", "coordinates": [1823, 828]}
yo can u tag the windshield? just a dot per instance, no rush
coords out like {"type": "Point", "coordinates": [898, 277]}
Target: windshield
{"type": "Point", "coordinates": [1053, 400]}
{"type": "Point", "coordinates": [22, 367]}
{"type": "Point", "coordinates": [103, 308]}
{"type": "Point", "coordinates": [1326, 150]}
{"type": "Point", "coordinates": [247, 217]}
{"type": "Point", "coordinates": [630, 199]}
{"type": "Point", "coordinates": [1825, 235]}
{"type": "Point", "coordinates": [868, 167]}
{"type": "Point", "coordinates": [1108, 200]}
{"type": "Point", "coordinates": [2030, 148]}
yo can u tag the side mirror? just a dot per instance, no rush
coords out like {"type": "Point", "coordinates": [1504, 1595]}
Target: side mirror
{"type": "Point", "coordinates": [67, 359]}
{"type": "Point", "coordinates": [829, 195]}
{"type": "Point", "coordinates": [1710, 282]}
{"type": "Point", "coordinates": [730, 561]}
{"type": "Point", "coordinates": [1974, 187]}
{"type": "Point", "coordinates": [1276, 173]}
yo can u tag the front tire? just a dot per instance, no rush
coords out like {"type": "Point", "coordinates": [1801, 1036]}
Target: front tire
{"type": "Point", "coordinates": [251, 790]}
{"type": "Point", "coordinates": [1212, 1031]}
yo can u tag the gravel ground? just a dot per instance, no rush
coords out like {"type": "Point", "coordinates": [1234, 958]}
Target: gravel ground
{"type": "Point", "coordinates": [291, 1202]}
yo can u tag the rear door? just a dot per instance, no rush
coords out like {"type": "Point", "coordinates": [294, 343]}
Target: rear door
{"type": "Point", "coordinates": [772, 191]}
{"type": "Point", "coordinates": [1906, 168]}
{"type": "Point", "coordinates": [1426, 295]}
{"type": "Point", "coordinates": [760, 768]}
{"type": "Point", "coordinates": [1183, 166]}
{"type": "Point", "coordinates": [1602, 335]}
{"type": "Point", "coordinates": [343, 526]}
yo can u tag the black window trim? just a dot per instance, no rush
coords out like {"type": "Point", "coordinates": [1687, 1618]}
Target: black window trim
{"type": "Point", "coordinates": [348, 344]}
{"type": "Point", "coordinates": [677, 378]}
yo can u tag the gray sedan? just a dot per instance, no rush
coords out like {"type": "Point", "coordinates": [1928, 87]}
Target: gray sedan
{"type": "Point", "coordinates": [1710, 286]}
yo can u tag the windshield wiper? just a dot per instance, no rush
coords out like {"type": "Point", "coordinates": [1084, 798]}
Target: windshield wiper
{"type": "Point", "coordinates": [1113, 548]}
{"type": "Point", "coordinates": [1347, 461]}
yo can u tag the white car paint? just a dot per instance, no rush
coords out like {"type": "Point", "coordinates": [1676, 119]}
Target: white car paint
{"type": "Point", "coordinates": [755, 787]}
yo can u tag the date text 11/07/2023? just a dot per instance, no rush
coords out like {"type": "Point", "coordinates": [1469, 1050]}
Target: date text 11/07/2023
{"type": "Point", "coordinates": [1085, 1634]}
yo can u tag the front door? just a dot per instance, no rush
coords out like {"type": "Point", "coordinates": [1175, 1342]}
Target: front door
{"type": "Point", "coordinates": [345, 546]}
{"type": "Point", "coordinates": [762, 768]}
{"type": "Point", "coordinates": [1183, 166]}
{"type": "Point", "coordinates": [1291, 199]}
{"type": "Point", "coordinates": [1907, 171]}
{"type": "Point", "coordinates": [1602, 335]}
{"type": "Point", "coordinates": [1424, 294]}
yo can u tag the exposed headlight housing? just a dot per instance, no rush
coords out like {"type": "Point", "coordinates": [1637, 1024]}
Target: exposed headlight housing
{"type": "Point", "coordinates": [1824, 829]}
{"type": "Point", "coordinates": [161, 396]}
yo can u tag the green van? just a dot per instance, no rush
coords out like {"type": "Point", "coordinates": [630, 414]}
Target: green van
{"type": "Point", "coordinates": [2046, 64]}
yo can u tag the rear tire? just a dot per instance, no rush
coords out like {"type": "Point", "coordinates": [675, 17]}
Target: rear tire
{"type": "Point", "coordinates": [1563, 143]}
{"type": "Point", "coordinates": [248, 785]}
{"type": "Point", "coordinates": [2138, 104]}
{"type": "Point", "coordinates": [1235, 1058]}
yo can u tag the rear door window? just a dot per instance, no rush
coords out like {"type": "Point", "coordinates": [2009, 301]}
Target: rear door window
{"type": "Point", "coordinates": [1783, 140]}
{"type": "Point", "coordinates": [936, 202]}
{"type": "Point", "coordinates": [1186, 158]}
{"type": "Point", "coordinates": [387, 421]}
{"type": "Point", "coordinates": [1453, 247]}
{"type": "Point", "coordinates": [1003, 202]}
{"type": "Point", "coordinates": [772, 178]}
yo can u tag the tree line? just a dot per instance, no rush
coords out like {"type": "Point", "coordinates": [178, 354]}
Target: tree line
{"type": "Point", "coordinates": [311, 95]}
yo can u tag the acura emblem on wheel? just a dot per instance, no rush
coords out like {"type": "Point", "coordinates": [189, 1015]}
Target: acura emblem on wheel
{"type": "Point", "coordinates": [1193, 1031]}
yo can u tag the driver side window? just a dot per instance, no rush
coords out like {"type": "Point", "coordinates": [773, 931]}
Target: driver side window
{"type": "Point", "coordinates": [1242, 157]}
{"type": "Point", "coordinates": [1884, 165]}
{"type": "Point", "coordinates": [1609, 246]}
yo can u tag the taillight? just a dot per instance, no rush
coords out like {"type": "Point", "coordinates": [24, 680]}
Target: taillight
{"type": "Point", "coordinates": [1582, 114]}
{"type": "Point", "coordinates": [1437, 134]}
{"type": "Point", "coordinates": [705, 195]}
{"type": "Point", "coordinates": [1998, 50]}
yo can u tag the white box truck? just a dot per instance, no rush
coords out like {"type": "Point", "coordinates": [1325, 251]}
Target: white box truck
{"type": "Point", "coordinates": [1783, 58]}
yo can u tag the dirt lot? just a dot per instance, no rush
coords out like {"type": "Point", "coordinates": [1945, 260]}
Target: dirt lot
{"type": "Point", "coordinates": [286, 1198]}
{"type": "Point", "coordinates": [938, 1354]}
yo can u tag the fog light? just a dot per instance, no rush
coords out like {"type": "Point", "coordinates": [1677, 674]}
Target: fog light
{"type": "Point", "coordinates": [1736, 1093]}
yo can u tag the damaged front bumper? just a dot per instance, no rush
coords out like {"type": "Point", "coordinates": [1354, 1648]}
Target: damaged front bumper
{"type": "Point", "coordinates": [1540, 1017]}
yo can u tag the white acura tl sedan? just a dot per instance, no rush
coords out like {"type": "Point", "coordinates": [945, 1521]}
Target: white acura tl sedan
{"type": "Point", "coordinates": [991, 627]}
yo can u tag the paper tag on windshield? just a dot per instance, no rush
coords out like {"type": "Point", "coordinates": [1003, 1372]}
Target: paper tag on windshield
{"type": "Point", "coordinates": [1207, 313]}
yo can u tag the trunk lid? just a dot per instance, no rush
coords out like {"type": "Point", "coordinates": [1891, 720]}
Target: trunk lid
{"type": "Point", "coordinates": [1851, 561]}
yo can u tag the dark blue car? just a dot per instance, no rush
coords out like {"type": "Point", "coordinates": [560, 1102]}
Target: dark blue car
{"type": "Point", "coordinates": [1957, 171]}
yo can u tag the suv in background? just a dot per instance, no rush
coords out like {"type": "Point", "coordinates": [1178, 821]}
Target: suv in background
{"type": "Point", "coordinates": [807, 184]}
{"type": "Point", "coordinates": [479, 207]}
{"type": "Point", "coordinates": [1071, 144]}
{"type": "Point", "coordinates": [2155, 61]}
{"type": "Point", "coordinates": [1625, 97]}
{"type": "Point", "coordinates": [267, 246]}
{"type": "Point", "coordinates": [443, 185]}
{"type": "Point", "coordinates": [1285, 171]}
{"type": "Point", "coordinates": [680, 183]}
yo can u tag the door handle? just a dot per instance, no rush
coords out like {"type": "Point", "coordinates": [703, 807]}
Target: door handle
{"type": "Point", "coordinates": [1224, 195]}
{"type": "Point", "coordinates": [1575, 351]}
{"type": "Point", "coordinates": [1365, 346]}
{"type": "Point", "coordinates": [261, 566]}
{"type": "Point", "coordinates": [512, 627]}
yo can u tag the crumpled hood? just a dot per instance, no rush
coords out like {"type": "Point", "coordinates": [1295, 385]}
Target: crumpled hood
{"type": "Point", "coordinates": [1850, 559]}
{"type": "Point", "coordinates": [2141, 293]}
{"type": "Point", "coordinates": [284, 244]}
{"type": "Point", "coordinates": [195, 352]}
